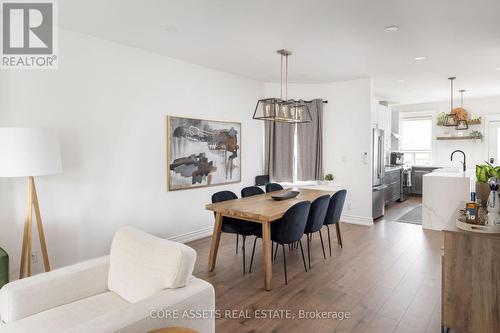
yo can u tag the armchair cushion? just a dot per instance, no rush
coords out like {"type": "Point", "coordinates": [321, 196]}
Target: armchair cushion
{"type": "Point", "coordinates": [142, 265]}
{"type": "Point", "coordinates": [26, 297]}
{"type": "Point", "coordinates": [68, 316]}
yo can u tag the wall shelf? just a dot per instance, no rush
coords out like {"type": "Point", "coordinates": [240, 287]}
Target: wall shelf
{"type": "Point", "coordinates": [467, 137]}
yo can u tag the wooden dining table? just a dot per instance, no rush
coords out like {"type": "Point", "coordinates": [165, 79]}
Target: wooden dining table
{"type": "Point", "coordinates": [263, 209]}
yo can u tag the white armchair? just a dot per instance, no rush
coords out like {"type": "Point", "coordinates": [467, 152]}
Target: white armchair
{"type": "Point", "coordinates": [145, 284]}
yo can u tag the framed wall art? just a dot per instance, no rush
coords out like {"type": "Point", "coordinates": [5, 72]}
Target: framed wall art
{"type": "Point", "coordinates": [202, 152]}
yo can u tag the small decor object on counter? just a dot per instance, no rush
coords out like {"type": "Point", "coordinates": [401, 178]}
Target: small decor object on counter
{"type": "Point", "coordinates": [4, 268]}
{"type": "Point", "coordinates": [472, 210]}
{"type": "Point", "coordinates": [493, 203]}
{"type": "Point", "coordinates": [202, 152]}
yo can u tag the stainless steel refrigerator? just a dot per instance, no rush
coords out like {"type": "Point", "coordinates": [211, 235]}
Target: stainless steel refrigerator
{"type": "Point", "coordinates": [378, 173]}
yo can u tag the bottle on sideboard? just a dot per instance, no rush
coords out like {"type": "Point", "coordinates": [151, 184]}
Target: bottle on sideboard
{"type": "Point", "coordinates": [472, 209]}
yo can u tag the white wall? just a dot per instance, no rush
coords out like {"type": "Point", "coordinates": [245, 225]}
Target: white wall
{"type": "Point", "coordinates": [346, 136]}
{"type": "Point", "coordinates": [109, 103]}
{"type": "Point", "coordinates": [442, 149]}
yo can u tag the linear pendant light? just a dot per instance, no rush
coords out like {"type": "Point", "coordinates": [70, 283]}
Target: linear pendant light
{"type": "Point", "coordinates": [462, 123]}
{"type": "Point", "coordinates": [450, 120]}
{"type": "Point", "coordinates": [283, 109]}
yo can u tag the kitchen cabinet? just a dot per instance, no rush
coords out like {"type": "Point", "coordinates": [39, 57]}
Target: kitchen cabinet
{"type": "Point", "coordinates": [417, 174]}
{"type": "Point", "coordinates": [382, 119]}
{"type": "Point", "coordinates": [470, 280]}
{"type": "Point", "coordinates": [392, 179]}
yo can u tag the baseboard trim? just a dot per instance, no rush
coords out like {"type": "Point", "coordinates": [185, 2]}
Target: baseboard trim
{"type": "Point", "coordinates": [193, 235]}
{"type": "Point", "coordinates": [353, 219]}
{"type": "Point", "coordinates": [206, 232]}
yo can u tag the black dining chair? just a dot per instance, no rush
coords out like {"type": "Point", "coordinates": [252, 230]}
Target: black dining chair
{"type": "Point", "coordinates": [333, 215]}
{"type": "Point", "coordinates": [288, 230]}
{"type": "Point", "coordinates": [315, 222]}
{"type": "Point", "coordinates": [271, 187]}
{"type": "Point", "coordinates": [235, 226]}
{"type": "Point", "coordinates": [251, 190]}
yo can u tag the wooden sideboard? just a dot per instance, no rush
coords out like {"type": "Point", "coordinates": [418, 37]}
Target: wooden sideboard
{"type": "Point", "coordinates": [471, 281]}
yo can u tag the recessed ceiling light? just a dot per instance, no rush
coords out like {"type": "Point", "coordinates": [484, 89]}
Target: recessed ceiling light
{"type": "Point", "coordinates": [391, 28]}
{"type": "Point", "coordinates": [420, 58]}
{"type": "Point", "coordinates": [400, 81]}
{"type": "Point", "coordinates": [498, 68]}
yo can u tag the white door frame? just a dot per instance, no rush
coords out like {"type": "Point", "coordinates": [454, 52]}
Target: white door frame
{"type": "Point", "coordinates": [487, 119]}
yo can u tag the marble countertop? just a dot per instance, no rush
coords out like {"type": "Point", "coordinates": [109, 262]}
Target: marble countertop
{"type": "Point", "coordinates": [451, 173]}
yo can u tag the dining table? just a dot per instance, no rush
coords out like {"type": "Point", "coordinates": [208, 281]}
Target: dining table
{"type": "Point", "coordinates": [263, 209]}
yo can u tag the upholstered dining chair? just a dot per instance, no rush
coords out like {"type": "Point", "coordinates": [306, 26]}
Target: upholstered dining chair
{"type": "Point", "coordinates": [234, 226]}
{"type": "Point", "coordinates": [271, 187]}
{"type": "Point", "coordinates": [315, 222]}
{"type": "Point", "coordinates": [333, 214]}
{"type": "Point", "coordinates": [251, 190]}
{"type": "Point", "coordinates": [288, 230]}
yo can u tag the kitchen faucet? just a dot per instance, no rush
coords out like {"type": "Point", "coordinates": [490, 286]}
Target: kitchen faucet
{"type": "Point", "coordinates": [458, 151]}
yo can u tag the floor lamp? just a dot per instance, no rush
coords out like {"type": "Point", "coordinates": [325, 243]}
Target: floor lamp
{"type": "Point", "coordinates": [30, 152]}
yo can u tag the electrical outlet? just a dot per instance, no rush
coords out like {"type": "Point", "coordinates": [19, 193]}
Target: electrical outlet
{"type": "Point", "coordinates": [34, 257]}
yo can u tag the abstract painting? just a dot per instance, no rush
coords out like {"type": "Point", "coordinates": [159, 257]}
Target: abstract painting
{"type": "Point", "coordinates": [202, 152]}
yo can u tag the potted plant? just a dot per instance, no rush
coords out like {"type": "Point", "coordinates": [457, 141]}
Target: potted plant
{"type": "Point", "coordinates": [329, 179]}
{"type": "Point", "coordinates": [476, 135]}
{"type": "Point", "coordinates": [483, 173]}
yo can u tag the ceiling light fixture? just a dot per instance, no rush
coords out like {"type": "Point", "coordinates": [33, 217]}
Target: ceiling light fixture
{"type": "Point", "coordinates": [420, 58]}
{"type": "Point", "coordinates": [283, 109]}
{"type": "Point", "coordinates": [498, 68]}
{"type": "Point", "coordinates": [462, 123]}
{"type": "Point", "coordinates": [450, 120]}
{"type": "Point", "coordinates": [391, 28]}
{"type": "Point", "coordinates": [400, 81]}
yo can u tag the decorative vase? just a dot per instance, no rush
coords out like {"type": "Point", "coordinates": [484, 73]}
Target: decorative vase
{"type": "Point", "coordinates": [482, 193]}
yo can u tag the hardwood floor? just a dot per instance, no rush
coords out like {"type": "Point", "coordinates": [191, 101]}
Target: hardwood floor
{"type": "Point", "coordinates": [387, 276]}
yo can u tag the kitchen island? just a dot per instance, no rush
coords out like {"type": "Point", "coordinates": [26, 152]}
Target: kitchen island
{"type": "Point", "coordinates": [442, 189]}
{"type": "Point", "coordinates": [471, 279]}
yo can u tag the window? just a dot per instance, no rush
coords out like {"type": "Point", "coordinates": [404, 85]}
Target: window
{"type": "Point", "coordinates": [416, 135]}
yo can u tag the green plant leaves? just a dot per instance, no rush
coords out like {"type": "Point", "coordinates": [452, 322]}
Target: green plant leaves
{"type": "Point", "coordinates": [486, 171]}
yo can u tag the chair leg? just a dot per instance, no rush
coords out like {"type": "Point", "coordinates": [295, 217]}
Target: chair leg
{"type": "Point", "coordinates": [322, 245]}
{"type": "Point", "coordinates": [243, 250]}
{"type": "Point", "coordinates": [329, 240]}
{"type": "Point", "coordinates": [284, 262]}
{"type": "Point", "coordinates": [253, 252]}
{"type": "Point", "coordinates": [276, 251]}
{"type": "Point", "coordinates": [339, 236]}
{"type": "Point", "coordinates": [303, 258]}
{"type": "Point", "coordinates": [309, 250]}
{"type": "Point", "coordinates": [237, 241]}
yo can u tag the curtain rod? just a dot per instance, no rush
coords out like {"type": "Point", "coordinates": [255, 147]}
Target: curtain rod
{"type": "Point", "coordinates": [311, 101]}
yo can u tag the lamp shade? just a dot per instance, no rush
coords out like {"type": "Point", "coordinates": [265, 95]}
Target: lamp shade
{"type": "Point", "coordinates": [29, 152]}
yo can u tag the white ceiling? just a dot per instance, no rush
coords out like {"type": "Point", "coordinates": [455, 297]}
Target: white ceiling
{"type": "Point", "coordinates": [331, 40]}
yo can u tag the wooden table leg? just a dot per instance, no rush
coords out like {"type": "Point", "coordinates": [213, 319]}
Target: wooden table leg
{"type": "Point", "coordinates": [266, 249]}
{"type": "Point", "coordinates": [214, 247]}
